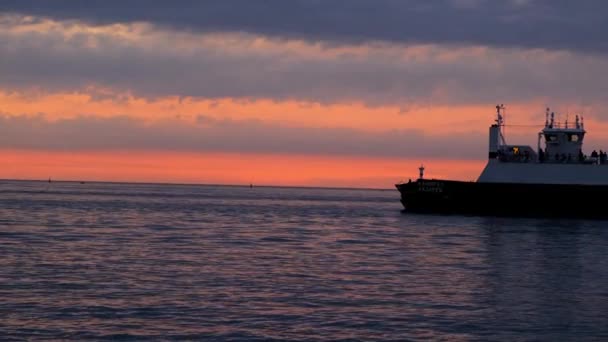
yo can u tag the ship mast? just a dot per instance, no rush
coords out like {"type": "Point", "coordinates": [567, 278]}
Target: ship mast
{"type": "Point", "coordinates": [500, 121]}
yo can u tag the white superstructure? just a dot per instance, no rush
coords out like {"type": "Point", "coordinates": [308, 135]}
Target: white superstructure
{"type": "Point", "coordinates": [562, 160]}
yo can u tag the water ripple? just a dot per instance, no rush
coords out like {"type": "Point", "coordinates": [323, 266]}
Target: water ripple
{"type": "Point", "coordinates": [101, 261]}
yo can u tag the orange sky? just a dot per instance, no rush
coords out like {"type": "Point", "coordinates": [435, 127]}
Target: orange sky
{"type": "Point", "coordinates": [234, 168]}
{"type": "Point", "coordinates": [224, 168]}
{"type": "Point", "coordinates": [438, 119]}
{"type": "Point", "coordinates": [241, 168]}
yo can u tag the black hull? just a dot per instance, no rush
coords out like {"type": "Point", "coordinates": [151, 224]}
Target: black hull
{"type": "Point", "coordinates": [504, 199]}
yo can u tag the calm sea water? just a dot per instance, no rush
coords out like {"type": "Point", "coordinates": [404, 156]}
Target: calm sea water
{"type": "Point", "coordinates": [160, 262]}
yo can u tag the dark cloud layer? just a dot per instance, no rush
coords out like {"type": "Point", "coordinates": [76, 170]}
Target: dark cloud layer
{"type": "Point", "coordinates": [550, 24]}
{"type": "Point", "coordinates": [387, 75]}
{"type": "Point", "coordinates": [211, 135]}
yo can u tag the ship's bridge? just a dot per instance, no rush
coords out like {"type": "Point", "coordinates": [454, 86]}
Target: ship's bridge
{"type": "Point", "coordinates": [563, 143]}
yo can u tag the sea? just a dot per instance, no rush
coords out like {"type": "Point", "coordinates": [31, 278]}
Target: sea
{"type": "Point", "coordinates": [158, 262]}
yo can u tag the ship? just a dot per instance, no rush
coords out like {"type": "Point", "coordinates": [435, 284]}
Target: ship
{"type": "Point", "coordinates": [554, 181]}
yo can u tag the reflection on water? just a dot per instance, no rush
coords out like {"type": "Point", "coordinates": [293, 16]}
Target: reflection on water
{"type": "Point", "coordinates": [113, 261]}
{"type": "Point", "coordinates": [550, 277]}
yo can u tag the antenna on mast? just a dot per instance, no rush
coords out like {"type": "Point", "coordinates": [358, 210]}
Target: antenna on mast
{"type": "Point", "coordinates": [499, 116]}
{"type": "Point", "coordinates": [500, 121]}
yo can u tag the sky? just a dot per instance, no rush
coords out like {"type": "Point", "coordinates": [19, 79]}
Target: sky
{"type": "Point", "coordinates": [344, 93]}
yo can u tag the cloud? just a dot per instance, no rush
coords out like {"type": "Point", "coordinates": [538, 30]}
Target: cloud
{"type": "Point", "coordinates": [149, 62]}
{"type": "Point", "coordinates": [216, 135]}
{"type": "Point", "coordinates": [545, 24]}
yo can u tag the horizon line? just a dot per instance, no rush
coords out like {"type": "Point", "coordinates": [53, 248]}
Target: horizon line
{"type": "Point", "coordinates": [195, 184]}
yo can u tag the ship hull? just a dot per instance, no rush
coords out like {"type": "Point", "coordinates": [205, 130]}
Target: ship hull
{"type": "Point", "coordinates": [504, 199]}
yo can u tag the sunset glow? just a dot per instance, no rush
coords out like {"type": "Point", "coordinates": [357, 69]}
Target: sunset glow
{"type": "Point", "coordinates": [237, 169]}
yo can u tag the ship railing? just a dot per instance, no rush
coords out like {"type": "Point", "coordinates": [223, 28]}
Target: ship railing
{"type": "Point", "coordinates": [587, 161]}
{"type": "Point", "coordinates": [596, 160]}
{"type": "Point", "coordinates": [560, 160]}
{"type": "Point", "coordinates": [516, 158]}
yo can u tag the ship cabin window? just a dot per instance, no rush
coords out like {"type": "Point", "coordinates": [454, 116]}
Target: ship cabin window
{"type": "Point", "coordinates": [574, 137]}
{"type": "Point", "coordinates": [551, 137]}
{"type": "Point", "coordinates": [515, 150]}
